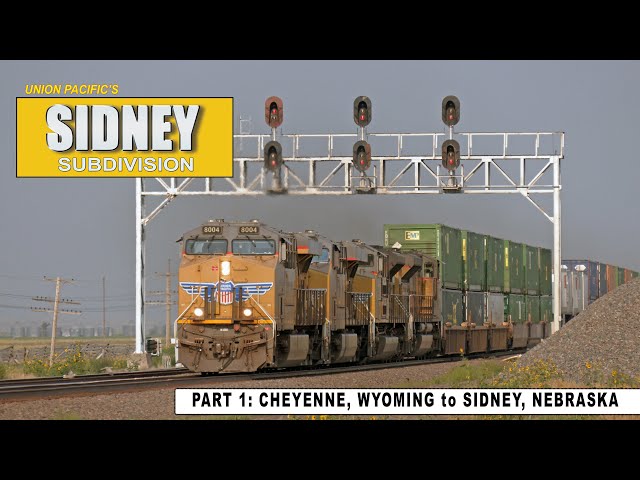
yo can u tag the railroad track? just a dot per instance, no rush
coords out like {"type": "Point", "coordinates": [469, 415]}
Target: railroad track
{"type": "Point", "coordinates": [175, 377]}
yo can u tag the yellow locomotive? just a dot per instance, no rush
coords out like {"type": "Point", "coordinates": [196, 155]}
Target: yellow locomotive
{"type": "Point", "coordinates": [252, 297]}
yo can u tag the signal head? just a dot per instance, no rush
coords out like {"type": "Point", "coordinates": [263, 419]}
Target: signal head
{"type": "Point", "coordinates": [361, 156]}
{"type": "Point", "coordinates": [273, 112]}
{"type": "Point", "coordinates": [273, 156]}
{"type": "Point", "coordinates": [450, 110]}
{"type": "Point", "coordinates": [450, 155]}
{"type": "Point", "coordinates": [362, 113]}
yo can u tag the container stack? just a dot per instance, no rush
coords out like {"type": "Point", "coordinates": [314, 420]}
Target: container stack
{"type": "Point", "coordinates": [584, 281]}
{"type": "Point", "coordinates": [485, 281]}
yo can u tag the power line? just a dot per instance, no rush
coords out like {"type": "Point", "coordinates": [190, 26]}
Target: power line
{"type": "Point", "coordinates": [14, 295]}
{"type": "Point", "coordinates": [18, 307]}
{"type": "Point", "coordinates": [20, 277]}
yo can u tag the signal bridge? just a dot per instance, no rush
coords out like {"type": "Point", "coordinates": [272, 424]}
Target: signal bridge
{"type": "Point", "coordinates": [466, 163]}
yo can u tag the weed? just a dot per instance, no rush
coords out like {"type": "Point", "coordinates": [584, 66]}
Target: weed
{"type": "Point", "coordinates": [465, 374]}
{"type": "Point", "coordinates": [70, 361]}
{"type": "Point", "coordinates": [169, 351]}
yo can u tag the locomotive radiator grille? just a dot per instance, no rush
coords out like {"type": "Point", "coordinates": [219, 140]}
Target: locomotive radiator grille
{"type": "Point", "coordinates": [359, 308]}
{"type": "Point", "coordinates": [310, 306]}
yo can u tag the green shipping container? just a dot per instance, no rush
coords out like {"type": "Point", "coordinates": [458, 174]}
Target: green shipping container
{"type": "Point", "coordinates": [531, 265]}
{"type": "Point", "coordinates": [495, 263]}
{"type": "Point", "coordinates": [546, 309]}
{"type": "Point", "coordinates": [475, 307]}
{"type": "Point", "coordinates": [513, 268]}
{"type": "Point", "coordinates": [620, 276]}
{"type": "Point", "coordinates": [546, 267]}
{"type": "Point", "coordinates": [439, 241]}
{"type": "Point", "coordinates": [634, 274]}
{"type": "Point", "coordinates": [452, 310]}
{"type": "Point", "coordinates": [515, 308]}
{"type": "Point", "coordinates": [533, 308]}
{"type": "Point", "coordinates": [473, 261]}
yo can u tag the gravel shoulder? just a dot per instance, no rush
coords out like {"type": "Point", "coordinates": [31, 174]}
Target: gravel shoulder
{"type": "Point", "coordinates": [599, 344]}
{"type": "Point", "coordinates": [158, 404]}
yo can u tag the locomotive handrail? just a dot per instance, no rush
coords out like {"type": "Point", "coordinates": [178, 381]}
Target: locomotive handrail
{"type": "Point", "coordinates": [397, 300]}
{"type": "Point", "coordinates": [175, 323]}
{"type": "Point", "coordinates": [273, 322]}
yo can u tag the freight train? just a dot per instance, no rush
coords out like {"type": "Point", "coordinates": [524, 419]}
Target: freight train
{"type": "Point", "coordinates": [522, 273]}
{"type": "Point", "coordinates": [493, 279]}
{"type": "Point", "coordinates": [254, 297]}
{"type": "Point", "coordinates": [584, 281]}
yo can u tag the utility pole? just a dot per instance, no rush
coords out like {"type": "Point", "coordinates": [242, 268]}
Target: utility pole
{"type": "Point", "coordinates": [104, 308]}
{"type": "Point", "coordinates": [167, 301]}
{"type": "Point", "coordinates": [56, 303]}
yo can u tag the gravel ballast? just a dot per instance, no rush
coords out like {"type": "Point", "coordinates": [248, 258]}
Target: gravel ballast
{"type": "Point", "coordinates": [158, 404]}
{"type": "Point", "coordinates": [602, 340]}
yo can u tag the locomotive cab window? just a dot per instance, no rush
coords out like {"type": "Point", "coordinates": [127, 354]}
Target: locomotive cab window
{"type": "Point", "coordinates": [206, 247]}
{"type": "Point", "coordinates": [253, 247]}
{"type": "Point", "coordinates": [322, 258]}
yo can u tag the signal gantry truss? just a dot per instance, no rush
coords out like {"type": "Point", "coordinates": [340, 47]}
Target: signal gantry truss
{"type": "Point", "coordinates": [402, 163]}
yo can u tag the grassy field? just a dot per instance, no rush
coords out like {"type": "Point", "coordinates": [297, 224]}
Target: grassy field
{"type": "Point", "coordinates": [64, 341]}
{"type": "Point", "coordinates": [72, 359]}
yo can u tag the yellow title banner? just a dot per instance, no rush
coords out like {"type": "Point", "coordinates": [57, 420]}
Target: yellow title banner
{"type": "Point", "coordinates": [124, 137]}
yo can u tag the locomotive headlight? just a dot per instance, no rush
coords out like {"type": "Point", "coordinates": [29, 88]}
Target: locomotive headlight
{"type": "Point", "coordinates": [247, 312]}
{"type": "Point", "coordinates": [199, 312]}
{"type": "Point", "coordinates": [225, 267]}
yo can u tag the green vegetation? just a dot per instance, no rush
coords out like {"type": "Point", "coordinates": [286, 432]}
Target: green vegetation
{"type": "Point", "coordinates": [463, 375]}
{"type": "Point", "coordinates": [156, 362]}
{"type": "Point", "coordinates": [545, 374]}
{"type": "Point", "coordinates": [72, 361]}
{"type": "Point", "coordinates": [66, 341]}
{"type": "Point", "coordinates": [539, 375]}
{"type": "Point", "coordinates": [3, 371]}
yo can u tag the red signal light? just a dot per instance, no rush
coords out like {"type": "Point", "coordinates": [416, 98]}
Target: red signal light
{"type": "Point", "coordinates": [272, 156]}
{"type": "Point", "coordinates": [451, 154]}
{"type": "Point", "coordinates": [450, 110]}
{"type": "Point", "coordinates": [362, 156]}
{"type": "Point", "coordinates": [273, 112]}
{"type": "Point", "coordinates": [362, 111]}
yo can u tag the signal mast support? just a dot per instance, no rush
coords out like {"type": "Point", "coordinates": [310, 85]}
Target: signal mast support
{"type": "Point", "coordinates": [412, 174]}
{"type": "Point", "coordinates": [140, 221]}
{"type": "Point", "coordinates": [557, 245]}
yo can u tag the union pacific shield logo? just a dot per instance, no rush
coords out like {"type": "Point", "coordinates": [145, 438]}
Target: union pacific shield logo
{"type": "Point", "coordinates": [225, 293]}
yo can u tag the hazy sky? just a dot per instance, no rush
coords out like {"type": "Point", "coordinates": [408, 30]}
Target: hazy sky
{"type": "Point", "coordinates": [84, 228]}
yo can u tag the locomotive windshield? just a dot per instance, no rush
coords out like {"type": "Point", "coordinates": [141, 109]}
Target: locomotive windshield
{"type": "Point", "coordinates": [206, 247]}
{"type": "Point", "coordinates": [322, 258]}
{"type": "Point", "coordinates": [253, 247]}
